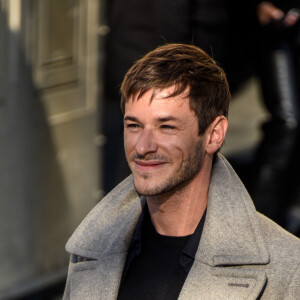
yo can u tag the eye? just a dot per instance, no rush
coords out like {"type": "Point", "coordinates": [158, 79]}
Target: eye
{"type": "Point", "coordinates": [167, 127]}
{"type": "Point", "coordinates": [132, 126]}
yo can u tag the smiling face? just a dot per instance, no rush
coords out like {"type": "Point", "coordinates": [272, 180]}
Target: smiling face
{"type": "Point", "coordinates": [162, 145]}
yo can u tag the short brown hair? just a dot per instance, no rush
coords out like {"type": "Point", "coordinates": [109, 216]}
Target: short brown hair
{"type": "Point", "coordinates": [182, 66]}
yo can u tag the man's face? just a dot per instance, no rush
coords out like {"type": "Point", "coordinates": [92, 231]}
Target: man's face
{"type": "Point", "coordinates": [162, 145]}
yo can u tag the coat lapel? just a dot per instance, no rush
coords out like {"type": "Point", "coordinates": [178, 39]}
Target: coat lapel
{"type": "Point", "coordinates": [108, 228]}
{"type": "Point", "coordinates": [210, 283]}
{"type": "Point", "coordinates": [97, 279]}
{"type": "Point", "coordinates": [104, 237]}
{"type": "Point", "coordinates": [231, 243]}
{"type": "Point", "coordinates": [231, 233]}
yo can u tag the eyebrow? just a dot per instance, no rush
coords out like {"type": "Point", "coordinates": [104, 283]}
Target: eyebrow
{"type": "Point", "coordinates": [161, 119]}
{"type": "Point", "coordinates": [130, 118]}
{"type": "Point", "coordinates": [168, 118]}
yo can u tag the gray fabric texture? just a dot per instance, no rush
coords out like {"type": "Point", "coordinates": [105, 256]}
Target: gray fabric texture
{"type": "Point", "coordinates": [242, 254]}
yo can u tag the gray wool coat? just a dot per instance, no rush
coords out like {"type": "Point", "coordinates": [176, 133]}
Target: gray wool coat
{"type": "Point", "coordinates": [241, 255]}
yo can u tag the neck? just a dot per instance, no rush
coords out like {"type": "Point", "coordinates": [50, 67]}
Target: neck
{"type": "Point", "coordinates": [177, 213]}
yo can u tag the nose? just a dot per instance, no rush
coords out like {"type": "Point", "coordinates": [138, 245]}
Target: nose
{"type": "Point", "coordinates": [146, 143]}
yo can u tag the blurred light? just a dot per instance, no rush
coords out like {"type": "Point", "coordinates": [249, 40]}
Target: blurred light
{"type": "Point", "coordinates": [14, 15]}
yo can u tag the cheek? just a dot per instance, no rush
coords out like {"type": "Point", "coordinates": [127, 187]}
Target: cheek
{"type": "Point", "coordinates": [129, 142]}
{"type": "Point", "coordinates": [183, 148]}
{"type": "Point", "coordinates": [175, 146]}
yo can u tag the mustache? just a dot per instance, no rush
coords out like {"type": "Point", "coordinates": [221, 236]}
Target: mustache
{"type": "Point", "coordinates": [151, 157]}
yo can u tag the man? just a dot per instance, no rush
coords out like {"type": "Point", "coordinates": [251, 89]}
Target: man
{"type": "Point", "coordinates": [182, 226]}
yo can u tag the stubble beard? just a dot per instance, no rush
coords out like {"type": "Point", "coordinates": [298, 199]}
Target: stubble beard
{"type": "Point", "coordinates": [189, 169]}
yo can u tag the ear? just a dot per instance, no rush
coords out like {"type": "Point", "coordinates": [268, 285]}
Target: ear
{"type": "Point", "coordinates": [216, 134]}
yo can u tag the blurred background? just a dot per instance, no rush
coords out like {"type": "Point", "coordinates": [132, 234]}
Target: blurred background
{"type": "Point", "coordinates": [61, 147]}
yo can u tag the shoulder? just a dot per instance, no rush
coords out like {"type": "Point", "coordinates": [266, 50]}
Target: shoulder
{"type": "Point", "coordinates": [284, 266]}
{"type": "Point", "coordinates": [283, 269]}
{"type": "Point", "coordinates": [279, 240]}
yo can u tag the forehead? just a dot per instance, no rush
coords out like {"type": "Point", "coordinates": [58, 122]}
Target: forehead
{"type": "Point", "coordinates": [160, 101]}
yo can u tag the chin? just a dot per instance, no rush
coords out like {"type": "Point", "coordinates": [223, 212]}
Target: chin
{"type": "Point", "coordinates": [146, 189]}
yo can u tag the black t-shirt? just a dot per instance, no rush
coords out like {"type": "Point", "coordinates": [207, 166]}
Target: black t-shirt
{"type": "Point", "coordinates": [157, 265]}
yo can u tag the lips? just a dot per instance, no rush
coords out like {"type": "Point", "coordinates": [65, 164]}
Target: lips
{"type": "Point", "coordinates": [149, 164]}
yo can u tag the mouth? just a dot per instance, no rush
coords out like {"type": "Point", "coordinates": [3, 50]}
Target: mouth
{"type": "Point", "coordinates": [149, 164]}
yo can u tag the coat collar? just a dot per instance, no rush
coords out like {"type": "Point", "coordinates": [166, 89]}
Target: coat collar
{"type": "Point", "coordinates": [108, 228]}
{"type": "Point", "coordinates": [231, 234]}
